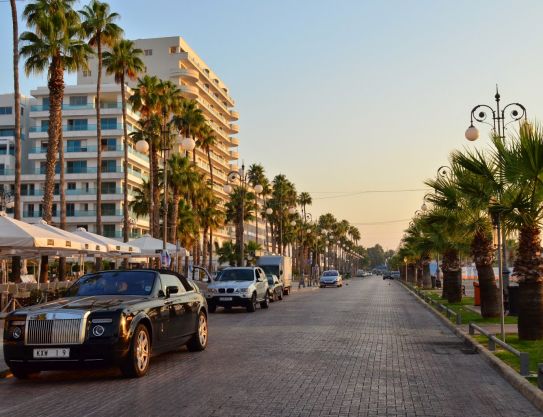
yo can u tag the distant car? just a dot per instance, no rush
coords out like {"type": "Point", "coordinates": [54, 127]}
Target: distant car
{"type": "Point", "coordinates": [391, 275]}
{"type": "Point", "coordinates": [331, 278]}
{"type": "Point", "coordinates": [119, 318]}
{"type": "Point", "coordinates": [239, 286]}
{"type": "Point", "coordinates": [275, 287]}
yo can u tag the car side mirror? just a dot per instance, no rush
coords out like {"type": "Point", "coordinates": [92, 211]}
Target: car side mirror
{"type": "Point", "coordinates": [171, 290]}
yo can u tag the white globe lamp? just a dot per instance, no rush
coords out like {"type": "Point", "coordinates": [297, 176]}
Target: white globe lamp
{"type": "Point", "coordinates": [472, 133]}
{"type": "Point", "coordinates": [188, 144]}
{"type": "Point", "coordinates": [258, 188]}
{"type": "Point", "coordinates": [227, 188]}
{"type": "Point", "coordinates": [292, 210]}
{"type": "Point", "coordinates": [269, 210]}
{"type": "Point", "coordinates": [142, 146]}
{"type": "Point", "coordinates": [293, 223]}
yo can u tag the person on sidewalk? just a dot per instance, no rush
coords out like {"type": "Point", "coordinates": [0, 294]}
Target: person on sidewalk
{"type": "Point", "coordinates": [301, 282]}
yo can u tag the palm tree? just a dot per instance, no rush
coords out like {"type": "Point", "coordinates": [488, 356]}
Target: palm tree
{"type": "Point", "coordinates": [240, 209]}
{"type": "Point", "coordinates": [16, 260]}
{"type": "Point", "coordinates": [141, 204]}
{"type": "Point", "coordinates": [207, 141]}
{"type": "Point", "coordinates": [55, 45]}
{"type": "Point", "coordinates": [210, 217]}
{"type": "Point", "coordinates": [124, 62]}
{"type": "Point", "coordinates": [98, 24]}
{"type": "Point", "coordinates": [228, 253]}
{"type": "Point", "coordinates": [189, 121]}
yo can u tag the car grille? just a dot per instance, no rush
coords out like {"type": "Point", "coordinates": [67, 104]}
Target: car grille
{"type": "Point", "coordinates": [230, 290]}
{"type": "Point", "coordinates": [54, 332]}
{"type": "Point", "coordinates": [222, 290]}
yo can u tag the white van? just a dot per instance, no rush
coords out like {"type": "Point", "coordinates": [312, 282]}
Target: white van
{"type": "Point", "coordinates": [280, 266]}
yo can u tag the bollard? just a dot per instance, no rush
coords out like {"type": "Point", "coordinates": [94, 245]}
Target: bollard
{"type": "Point", "coordinates": [471, 330]}
{"type": "Point", "coordinates": [458, 319]}
{"type": "Point", "coordinates": [540, 375]}
{"type": "Point", "coordinates": [491, 344]}
{"type": "Point", "coordinates": [525, 364]}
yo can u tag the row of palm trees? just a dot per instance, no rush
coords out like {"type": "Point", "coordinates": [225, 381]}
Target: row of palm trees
{"type": "Point", "coordinates": [505, 182]}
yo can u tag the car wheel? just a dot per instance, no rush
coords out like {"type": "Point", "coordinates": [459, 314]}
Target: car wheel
{"type": "Point", "coordinates": [198, 341]}
{"type": "Point", "coordinates": [23, 371]}
{"type": "Point", "coordinates": [212, 308]}
{"type": "Point", "coordinates": [266, 302]}
{"type": "Point", "coordinates": [251, 307]}
{"type": "Point", "coordinates": [137, 360]}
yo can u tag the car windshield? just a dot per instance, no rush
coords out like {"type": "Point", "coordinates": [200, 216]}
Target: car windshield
{"type": "Point", "coordinates": [330, 273]}
{"type": "Point", "coordinates": [270, 269]}
{"type": "Point", "coordinates": [114, 283]}
{"type": "Point", "coordinates": [236, 275]}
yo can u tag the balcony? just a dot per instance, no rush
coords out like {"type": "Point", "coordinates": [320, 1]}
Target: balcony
{"type": "Point", "coordinates": [234, 167]}
{"type": "Point", "coordinates": [89, 106]}
{"type": "Point", "coordinates": [189, 91]}
{"type": "Point", "coordinates": [74, 213]}
{"type": "Point", "coordinates": [234, 128]}
{"type": "Point", "coordinates": [234, 142]}
{"type": "Point", "coordinates": [83, 128]}
{"type": "Point", "coordinates": [234, 155]}
{"type": "Point", "coordinates": [234, 115]}
{"type": "Point", "coordinates": [185, 73]}
{"type": "Point", "coordinates": [6, 172]}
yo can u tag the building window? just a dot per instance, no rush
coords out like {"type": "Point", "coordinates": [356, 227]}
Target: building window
{"type": "Point", "coordinates": [109, 165]}
{"type": "Point", "coordinates": [85, 206]}
{"type": "Point", "coordinates": [70, 209]}
{"type": "Point", "coordinates": [78, 124]}
{"type": "Point", "coordinates": [3, 149]}
{"type": "Point", "coordinates": [71, 186]}
{"type": "Point", "coordinates": [6, 110]}
{"type": "Point", "coordinates": [44, 125]}
{"type": "Point", "coordinates": [108, 209]}
{"type": "Point", "coordinates": [30, 210]}
{"type": "Point", "coordinates": [45, 103]}
{"type": "Point", "coordinates": [109, 230]}
{"type": "Point", "coordinates": [55, 210]}
{"type": "Point", "coordinates": [86, 186]}
{"type": "Point", "coordinates": [56, 189]}
{"type": "Point", "coordinates": [148, 52]}
{"type": "Point", "coordinates": [109, 188]}
{"type": "Point", "coordinates": [173, 49]}
{"type": "Point", "coordinates": [27, 189]}
{"type": "Point", "coordinates": [76, 167]}
{"type": "Point", "coordinates": [78, 101]}
{"type": "Point", "coordinates": [75, 146]}
{"type": "Point", "coordinates": [109, 144]}
{"type": "Point", "coordinates": [109, 123]}
{"type": "Point", "coordinates": [2, 169]}
{"type": "Point", "coordinates": [87, 73]}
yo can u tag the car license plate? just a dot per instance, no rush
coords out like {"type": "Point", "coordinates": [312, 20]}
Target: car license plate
{"type": "Point", "coordinates": [51, 353]}
{"type": "Point", "coordinates": [225, 298]}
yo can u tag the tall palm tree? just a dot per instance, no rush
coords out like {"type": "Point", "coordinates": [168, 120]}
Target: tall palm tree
{"type": "Point", "coordinates": [124, 62]}
{"type": "Point", "coordinates": [189, 121]}
{"type": "Point", "coordinates": [241, 201]}
{"type": "Point", "coordinates": [16, 260]}
{"type": "Point", "coordinates": [141, 204]}
{"type": "Point", "coordinates": [100, 27]}
{"type": "Point", "coordinates": [207, 141]}
{"type": "Point", "coordinates": [54, 43]}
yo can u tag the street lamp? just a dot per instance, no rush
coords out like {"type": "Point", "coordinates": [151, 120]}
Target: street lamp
{"type": "Point", "coordinates": [497, 240]}
{"type": "Point", "coordinates": [258, 189]}
{"type": "Point", "coordinates": [269, 212]}
{"type": "Point", "coordinates": [480, 113]}
{"type": "Point", "coordinates": [243, 178]}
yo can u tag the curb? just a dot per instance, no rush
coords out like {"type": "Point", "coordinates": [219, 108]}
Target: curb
{"type": "Point", "coordinates": [531, 393]}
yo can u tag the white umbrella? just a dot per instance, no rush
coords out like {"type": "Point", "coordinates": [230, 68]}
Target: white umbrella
{"type": "Point", "coordinates": [113, 246]}
{"type": "Point", "coordinates": [151, 246]}
{"type": "Point", "coordinates": [17, 235]}
{"type": "Point", "coordinates": [87, 245]}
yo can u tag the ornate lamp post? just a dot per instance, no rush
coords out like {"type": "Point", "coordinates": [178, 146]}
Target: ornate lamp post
{"type": "Point", "coordinates": [243, 178]}
{"type": "Point", "coordinates": [512, 112]}
{"type": "Point", "coordinates": [269, 212]}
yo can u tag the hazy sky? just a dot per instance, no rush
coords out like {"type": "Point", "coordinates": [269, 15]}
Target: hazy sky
{"type": "Point", "coordinates": [346, 97]}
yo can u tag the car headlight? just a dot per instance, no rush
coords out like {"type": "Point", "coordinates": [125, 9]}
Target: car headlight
{"type": "Point", "coordinates": [240, 290]}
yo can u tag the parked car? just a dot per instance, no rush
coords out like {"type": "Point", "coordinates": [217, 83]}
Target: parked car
{"type": "Point", "coordinates": [239, 286]}
{"type": "Point", "coordinates": [275, 289]}
{"type": "Point", "coordinates": [119, 318]}
{"type": "Point", "coordinates": [391, 275]}
{"type": "Point", "coordinates": [331, 278]}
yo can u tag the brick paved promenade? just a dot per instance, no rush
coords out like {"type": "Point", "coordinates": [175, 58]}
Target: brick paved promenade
{"type": "Point", "coordinates": [367, 349]}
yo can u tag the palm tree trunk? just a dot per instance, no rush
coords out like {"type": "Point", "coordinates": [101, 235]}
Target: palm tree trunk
{"type": "Point", "coordinates": [174, 214]}
{"type": "Point", "coordinates": [419, 274]}
{"type": "Point", "coordinates": [125, 166]}
{"type": "Point", "coordinates": [54, 131]}
{"type": "Point", "coordinates": [152, 173]}
{"type": "Point", "coordinates": [204, 247]}
{"type": "Point", "coordinates": [98, 263]}
{"type": "Point", "coordinates": [426, 277]}
{"type": "Point", "coordinates": [452, 275]}
{"type": "Point", "coordinates": [16, 260]}
{"type": "Point", "coordinates": [210, 249]}
{"type": "Point", "coordinates": [529, 267]}
{"type": "Point", "coordinates": [62, 192]}
{"type": "Point", "coordinates": [156, 196]}
{"type": "Point", "coordinates": [482, 251]}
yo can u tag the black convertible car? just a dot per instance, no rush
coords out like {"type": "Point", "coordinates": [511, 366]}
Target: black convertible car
{"type": "Point", "coordinates": [108, 318]}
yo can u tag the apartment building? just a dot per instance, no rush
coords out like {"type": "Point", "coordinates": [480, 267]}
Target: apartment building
{"type": "Point", "coordinates": [171, 58]}
{"type": "Point", "coordinates": [80, 147]}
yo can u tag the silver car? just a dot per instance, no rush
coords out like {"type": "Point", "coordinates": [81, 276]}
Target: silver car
{"type": "Point", "coordinates": [331, 278]}
{"type": "Point", "coordinates": [239, 286]}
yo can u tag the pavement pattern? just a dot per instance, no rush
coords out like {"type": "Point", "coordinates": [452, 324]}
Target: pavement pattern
{"type": "Point", "coordinates": [367, 349]}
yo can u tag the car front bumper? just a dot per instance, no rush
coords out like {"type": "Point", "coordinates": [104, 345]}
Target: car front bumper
{"type": "Point", "coordinates": [228, 300]}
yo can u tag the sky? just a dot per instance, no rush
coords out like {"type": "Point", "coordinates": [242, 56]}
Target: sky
{"type": "Point", "coordinates": [356, 101]}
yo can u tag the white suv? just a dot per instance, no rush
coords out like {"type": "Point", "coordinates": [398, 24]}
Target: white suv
{"type": "Point", "coordinates": [238, 286]}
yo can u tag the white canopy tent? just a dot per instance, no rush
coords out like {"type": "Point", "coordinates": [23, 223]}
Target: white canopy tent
{"type": "Point", "coordinates": [114, 247]}
{"type": "Point", "coordinates": [87, 245]}
{"type": "Point", "coordinates": [150, 247]}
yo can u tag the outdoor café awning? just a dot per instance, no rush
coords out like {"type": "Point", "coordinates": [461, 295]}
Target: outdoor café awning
{"type": "Point", "coordinates": [151, 247]}
{"type": "Point", "coordinates": [114, 247]}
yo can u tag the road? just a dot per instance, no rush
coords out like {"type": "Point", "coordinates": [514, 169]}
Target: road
{"type": "Point", "coordinates": [367, 349]}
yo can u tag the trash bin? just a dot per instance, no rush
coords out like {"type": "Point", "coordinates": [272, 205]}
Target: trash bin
{"type": "Point", "coordinates": [513, 300]}
{"type": "Point", "coordinates": [476, 294]}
